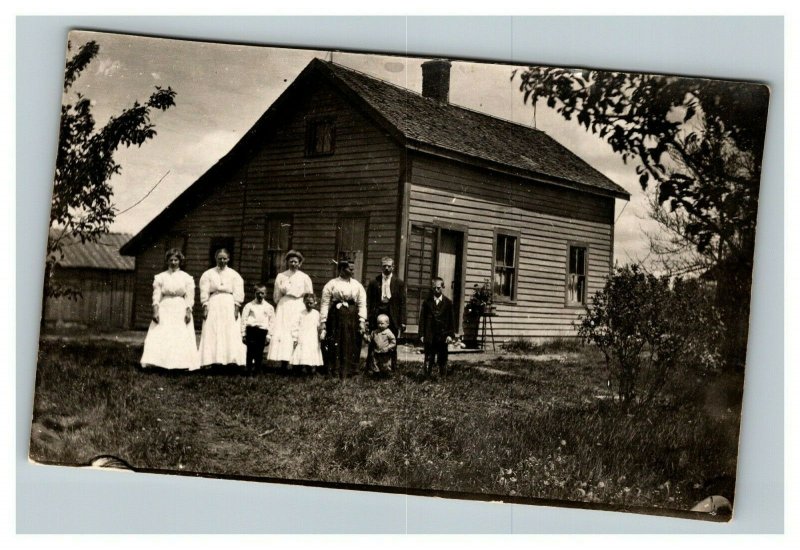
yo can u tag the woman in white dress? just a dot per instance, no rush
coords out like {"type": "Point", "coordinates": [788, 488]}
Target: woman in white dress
{"type": "Point", "coordinates": [170, 342]}
{"type": "Point", "coordinates": [222, 294]}
{"type": "Point", "coordinates": [290, 286]}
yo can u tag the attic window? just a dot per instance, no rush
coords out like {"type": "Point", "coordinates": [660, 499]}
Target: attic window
{"type": "Point", "coordinates": [320, 137]}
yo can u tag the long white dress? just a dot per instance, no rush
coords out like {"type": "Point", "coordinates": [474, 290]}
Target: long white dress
{"type": "Point", "coordinates": [170, 343]}
{"type": "Point", "coordinates": [288, 297]}
{"type": "Point", "coordinates": [221, 338]}
{"type": "Point", "coordinates": [306, 333]}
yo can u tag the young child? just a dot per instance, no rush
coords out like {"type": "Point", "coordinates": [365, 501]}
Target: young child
{"type": "Point", "coordinates": [436, 328]}
{"type": "Point", "coordinates": [383, 344]}
{"type": "Point", "coordinates": [257, 319]}
{"type": "Point", "coordinates": [307, 355]}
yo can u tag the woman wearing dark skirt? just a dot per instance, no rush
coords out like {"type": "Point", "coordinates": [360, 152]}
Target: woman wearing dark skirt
{"type": "Point", "coordinates": [343, 315]}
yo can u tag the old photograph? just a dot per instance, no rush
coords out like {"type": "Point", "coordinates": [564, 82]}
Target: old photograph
{"type": "Point", "coordinates": [431, 276]}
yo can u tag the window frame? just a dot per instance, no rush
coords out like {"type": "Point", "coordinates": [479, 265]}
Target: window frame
{"type": "Point", "coordinates": [279, 216]}
{"type": "Point", "coordinates": [169, 242]}
{"type": "Point", "coordinates": [569, 246]}
{"type": "Point", "coordinates": [217, 242]}
{"type": "Point", "coordinates": [338, 228]}
{"type": "Point", "coordinates": [516, 235]}
{"type": "Point", "coordinates": [312, 124]}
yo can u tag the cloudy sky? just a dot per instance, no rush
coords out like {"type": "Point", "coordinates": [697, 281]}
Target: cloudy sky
{"type": "Point", "coordinates": [222, 90]}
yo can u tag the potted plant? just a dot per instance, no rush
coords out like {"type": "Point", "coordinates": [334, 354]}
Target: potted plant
{"type": "Point", "coordinates": [478, 305]}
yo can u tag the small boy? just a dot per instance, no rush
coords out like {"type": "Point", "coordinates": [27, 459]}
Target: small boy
{"type": "Point", "coordinates": [436, 328]}
{"type": "Point", "coordinates": [257, 319]}
{"type": "Point", "coordinates": [383, 344]}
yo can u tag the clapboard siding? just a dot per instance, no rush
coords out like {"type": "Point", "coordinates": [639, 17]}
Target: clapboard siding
{"type": "Point", "coordinates": [502, 189]}
{"type": "Point", "coordinates": [105, 302]}
{"type": "Point", "coordinates": [544, 236]}
{"type": "Point", "coordinates": [277, 178]}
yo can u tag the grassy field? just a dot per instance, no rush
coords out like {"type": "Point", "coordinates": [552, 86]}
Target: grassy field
{"type": "Point", "coordinates": [538, 427]}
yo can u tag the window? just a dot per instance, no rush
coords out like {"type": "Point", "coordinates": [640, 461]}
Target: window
{"type": "Point", "coordinates": [576, 275]}
{"type": "Point", "coordinates": [320, 137]}
{"type": "Point", "coordinates": [351, 242]}
{"type": "Point", "coordinates": [277, 242]}
{"type": "Point", "coordinates": [217, 243]}
{"type": "Point", "coordinates": [505, 266]}
{"type": "Point", "coordinates": [176, 240]}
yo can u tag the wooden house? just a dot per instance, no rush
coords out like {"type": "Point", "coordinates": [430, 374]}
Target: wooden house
{"type": "Point", "coordinates": [344, 163]}
{"type": "Point", "coordinates": [104, 280]}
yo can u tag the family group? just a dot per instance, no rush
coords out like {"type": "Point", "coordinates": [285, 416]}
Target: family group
{"type": "Point", "coordinates": [295, 334]}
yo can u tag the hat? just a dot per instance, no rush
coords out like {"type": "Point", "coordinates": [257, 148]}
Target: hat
{"type": "Point", "coordinates": [344, 261]}
{"type": "Point", "coordinates": [294, 253]}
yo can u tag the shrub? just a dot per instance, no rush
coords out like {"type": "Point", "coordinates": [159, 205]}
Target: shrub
{"type": "Point", "coordinates": [646, 328]}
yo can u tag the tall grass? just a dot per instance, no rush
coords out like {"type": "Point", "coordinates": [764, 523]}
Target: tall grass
{"type": "Point", "coordinates": [542, 430]}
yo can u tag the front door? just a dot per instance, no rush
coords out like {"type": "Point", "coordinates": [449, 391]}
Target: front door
{"type": "Point", "coordinates": [449, 267]}
{"type": "Point", "coordinates": [433, 252]}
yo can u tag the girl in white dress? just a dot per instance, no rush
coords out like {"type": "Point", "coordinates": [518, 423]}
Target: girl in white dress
{"type": "Point", "coordinates": [307, 354]}
{"type": "Point", "coordinates": [290, 286]}
{"type": "Point", "coordinates": [222, 294]}
{"type": "Point", "coordinates": [170, 342]}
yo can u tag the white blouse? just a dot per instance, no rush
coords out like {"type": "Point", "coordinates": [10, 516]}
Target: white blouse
{"type": "Point", "coordinates": [216, 281]}
{"type": "Point", "coordinates": [171, 284]}
{"type": "Point", "coordinates": [291, 284]}
{"type": "Point", "coordinates": [342, 290]}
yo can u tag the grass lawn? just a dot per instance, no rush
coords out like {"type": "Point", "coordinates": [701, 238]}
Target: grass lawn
{"type": "Point", "coordinates": [516, 427]}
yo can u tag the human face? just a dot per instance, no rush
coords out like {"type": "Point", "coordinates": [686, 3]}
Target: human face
{"type": "Point", "coordinates": [347, 270]}
{"type": "Point", "coordinates": [387, 267]}
{"type": "Point", "coordinates": [309, 302]}
{"type": "Point", "coordinates": [438, 287]}
{"type": "Point", "coordinates": [174, 263]}
{"type": "Point", "coordinates": [222, 260]}
{"type": "Point", "coordinates": [383, 323]}
{"type": "Point", "coordinates": [293, 262]}
{"type": "Point", "coordinates": [260, 295]}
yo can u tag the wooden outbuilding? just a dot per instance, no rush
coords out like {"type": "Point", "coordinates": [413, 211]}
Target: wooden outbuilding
{"type": "Point", "coordinates": [103, 279]}
{"type": "Point", "coordinates": [346, 164]}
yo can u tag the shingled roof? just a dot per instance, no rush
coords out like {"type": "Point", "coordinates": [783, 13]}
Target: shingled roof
{"type": "Point", "coordinates": [417, 122]}
{"type": "Point", "coordinates": [471, 133]}
{"type": "Point", "coordinates": [103, 254]}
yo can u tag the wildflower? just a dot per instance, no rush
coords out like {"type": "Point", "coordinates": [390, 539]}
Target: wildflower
{"type": "Point", "coordinates": [563, 443]}
{"type": "Point", "coordinates": [601, 485]}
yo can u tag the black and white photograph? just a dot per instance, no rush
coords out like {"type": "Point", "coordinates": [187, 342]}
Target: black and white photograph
{"type": "Point", "coordinates": [433, 276]}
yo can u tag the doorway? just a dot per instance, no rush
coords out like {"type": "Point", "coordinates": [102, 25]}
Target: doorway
{"type": "Point", "coordinates": [434, 251]}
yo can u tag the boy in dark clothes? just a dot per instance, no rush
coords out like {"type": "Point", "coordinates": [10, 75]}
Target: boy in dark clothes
{"type": "Point", "coordinates": [436, 328]}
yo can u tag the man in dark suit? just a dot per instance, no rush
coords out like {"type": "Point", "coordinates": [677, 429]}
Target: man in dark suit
{"type": "Point", "coordinates": [386, 294]}
{"type": "Point", "coordinates": [436, 328]}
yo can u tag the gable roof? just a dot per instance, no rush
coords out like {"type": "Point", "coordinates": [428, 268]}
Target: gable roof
{"type": "Point", "coordinates": [103, 254]}
{"type": "Point", "coordinates": [473, 134]}
{"type": "Point", "coordinates": [416, 122]}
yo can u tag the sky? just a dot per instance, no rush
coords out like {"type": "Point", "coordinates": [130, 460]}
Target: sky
{"type": "Point", "coordinates": [223, 89]}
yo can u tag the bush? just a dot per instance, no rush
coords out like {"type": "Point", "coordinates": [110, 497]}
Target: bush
{"type": "Point", "coordinates": [647, 328]}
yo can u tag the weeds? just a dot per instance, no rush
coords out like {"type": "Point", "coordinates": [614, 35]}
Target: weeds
{"type": "Point", "coordinates": [540, 431]}
{"type": "Point", "coordinates": [522, 346]}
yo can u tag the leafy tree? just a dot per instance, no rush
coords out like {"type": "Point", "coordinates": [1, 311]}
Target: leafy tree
{"type": "Point", "coordinates": [648, 330]}
{"type": "Point", "coordinates": [82, 209]}
{"type": "Point", "coordinates": [698, 145]}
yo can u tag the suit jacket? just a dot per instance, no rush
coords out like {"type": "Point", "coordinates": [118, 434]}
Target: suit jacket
{"type": "Point", "coordinates": [436, 322]}
{"type": "Point", "coordinates": [396, 304]}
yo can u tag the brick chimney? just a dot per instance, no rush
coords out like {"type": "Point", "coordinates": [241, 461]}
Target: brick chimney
{"type": "Point", "coordinates": [436, 80]}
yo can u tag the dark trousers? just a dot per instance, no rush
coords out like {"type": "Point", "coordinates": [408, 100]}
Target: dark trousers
{"type": "Point", "coordinates": [256, 340]}
{"type": "Point", "coordinates": [436, 352]}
